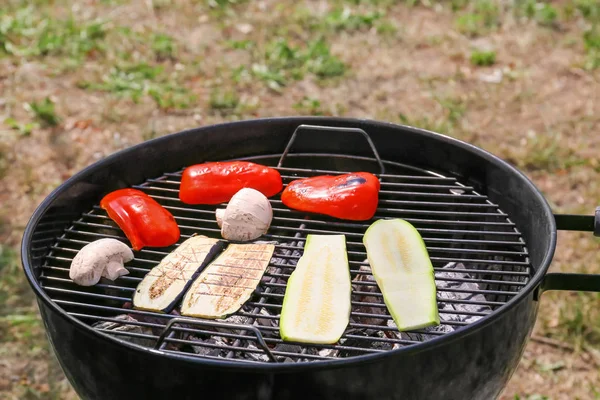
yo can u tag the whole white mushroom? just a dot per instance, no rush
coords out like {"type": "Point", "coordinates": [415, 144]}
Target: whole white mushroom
{"type": "Point", "coordinates": [248, 215]}
{"type": "Point", "coordinates": [101, 258]}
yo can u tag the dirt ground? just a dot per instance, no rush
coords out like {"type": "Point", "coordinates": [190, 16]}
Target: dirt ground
{"type": "Point", "coordinates": [81, 80]}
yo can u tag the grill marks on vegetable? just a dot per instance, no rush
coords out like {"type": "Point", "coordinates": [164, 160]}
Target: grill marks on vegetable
{"type": "Point", "coordinates": [216, 293]}
{"type": "Point", "coordinates": [465, 231]}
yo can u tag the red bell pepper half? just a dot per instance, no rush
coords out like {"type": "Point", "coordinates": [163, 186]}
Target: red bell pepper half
{"type": "Point", "coordinates": [142, 219]}
{"type": "Point", "coordinates": [217, 182]}
{"type": "Point", "coordinates": [351, 196]}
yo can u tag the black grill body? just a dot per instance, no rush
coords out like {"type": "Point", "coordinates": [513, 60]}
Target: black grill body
{"type": "Point", "coordinates": [473, 362]}
{"type": "Point", "coordinates": [473, 366]}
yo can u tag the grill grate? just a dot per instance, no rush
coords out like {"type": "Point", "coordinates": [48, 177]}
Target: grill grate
{"type": "Point", "coordinates": [479, 257]}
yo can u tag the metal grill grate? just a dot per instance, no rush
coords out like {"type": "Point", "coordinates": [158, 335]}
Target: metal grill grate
{"type": "Point", "coordinates": [479, 257]}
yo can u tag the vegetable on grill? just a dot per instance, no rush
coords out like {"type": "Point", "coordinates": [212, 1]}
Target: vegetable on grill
{"type": "Point", "coordinates": [352, 196]}
{"type": "Point", "coordinates": [404, 273]}
{"type": "Point", "coordinates": [247, 216]}
{"type": "Point", "coordinates": [217, 182]}
{"type": "Point", "coordinates": [228, 282]}
{"type": "Point", "coordinates": [100, 258]}
{"type": "Point", "coordinates": [143, 220]}
{"type": "Point", "coordinates": [316, 305]}
{"type": "Point", "coordinates": [164, 285]}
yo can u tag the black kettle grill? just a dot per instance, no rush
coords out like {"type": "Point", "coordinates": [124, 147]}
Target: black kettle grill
{"type": "Point", "coordinates": [489, 231]}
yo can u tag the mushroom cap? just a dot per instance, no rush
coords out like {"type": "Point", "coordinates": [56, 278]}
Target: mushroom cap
{"type": "Point", "coordinates": [247, 216]}
{"type": "Point", "coordinates": [103, 257]}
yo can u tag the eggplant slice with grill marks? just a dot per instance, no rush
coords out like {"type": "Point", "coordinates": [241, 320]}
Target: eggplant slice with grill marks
{"type": "Point", "coordinates": [162, 287]}
{"type": "Point", "coordinates": [228, 282]}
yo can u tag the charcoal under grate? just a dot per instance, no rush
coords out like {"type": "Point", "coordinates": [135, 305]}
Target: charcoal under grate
{"type": "Point", "coordinates": [479, 257]}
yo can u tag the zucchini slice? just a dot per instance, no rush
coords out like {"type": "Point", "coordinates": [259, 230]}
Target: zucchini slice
{"type": "Point", "coordinates": [403, 271]}
{"type": "Point", "coordinates": [316, 305]}
{"type": "Point", "coordinates": [164, 285]}
{"type": "Point", "coordinates": [228, 282]}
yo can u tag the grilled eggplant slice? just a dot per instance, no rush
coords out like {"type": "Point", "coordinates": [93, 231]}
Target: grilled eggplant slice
{"type": "Point", "coordinates": [165, 284]}
{"type": "Point", "coordinates": [316, 305]}
{"type": "Point", "coordinates": [228, 282]}
{"type": "Point", "coordinates": [403, 271]}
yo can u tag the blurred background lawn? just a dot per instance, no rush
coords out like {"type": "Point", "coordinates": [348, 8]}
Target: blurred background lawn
{"type": "Point", "coordinates": [80, 80]}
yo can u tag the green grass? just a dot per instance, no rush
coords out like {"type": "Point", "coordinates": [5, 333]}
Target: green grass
{"type": "Point", "coordinates": [543, 13]}
{"type": "Point", "coordinates": [44, 112]}
{"type": "Point", "coordinates": [163, 45]}
{"type": "Point", "coordinates": [9, 278]}
{"type": "Point", "coordinates": [24, 128]}
{"type": "Point", "coordinates": [546, 151]}
{"type": "Point", "coordinates": [481, 17]}
{"type": "Point", "coordinates": [532, 397]}
{"type": "Point", "coordinates": [3, 161]}
{"type": "Point", "coordinates": [240, 44]}
{"type": "Point", "coordinates": [546, 15]}
{"type": "Point", "coordinates": [347, 19]}
{"type": "Point", "coordinates": [591, 42]}
{"type": "Point", "coordinates": [433, 124]}
{"type": "Point", "coordinates": [448, 123]}
{"type": "Point", "coordinates": [344, 18]}
{"type": "Point", "coordinates": [309, 106]}
{"type": "Point", "coordinates": [29, 33]}
{"type": "Point", "coordinates": [283, 62]}
{"type": "Point", "coordinates": [226, 100]}
{"type": "Point", "coordinates": [483, 58]}
{"type": "Point", "coordinates": [579, 319]}
{"type": "Point", "coordinates": [136, 81]}
{"type": "Point", "coordinates": [589, 9]}
{"type": "Point", "coordinates": [23, 336]}
{"type": "Point", "coordinates": [18, 317]}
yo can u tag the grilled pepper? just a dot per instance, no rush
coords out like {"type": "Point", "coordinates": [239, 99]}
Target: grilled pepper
{"type": "Point", "coordinates": [142, 219]}
{"type": "Point", "coordinates": [217, 182]}
{"type": "Point", "coordinates": [352, 196]}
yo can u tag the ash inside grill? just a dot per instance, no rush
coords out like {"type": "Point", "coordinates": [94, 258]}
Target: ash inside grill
{"type": "Point", "coordinates": [479, 258]}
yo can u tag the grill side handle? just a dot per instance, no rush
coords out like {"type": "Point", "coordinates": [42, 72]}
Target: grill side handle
{"type": "Point", "coordinates": [570, 222]}
{"type": "Point", "coordinates": [572, 281]}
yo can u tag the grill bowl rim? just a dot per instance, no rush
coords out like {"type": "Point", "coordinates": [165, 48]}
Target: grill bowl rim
{"type": "Point", "coordinates": [533, 284]}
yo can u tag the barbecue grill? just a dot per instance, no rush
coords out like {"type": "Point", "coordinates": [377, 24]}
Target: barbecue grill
{"type": "Point", "coordinates": [490, 234]}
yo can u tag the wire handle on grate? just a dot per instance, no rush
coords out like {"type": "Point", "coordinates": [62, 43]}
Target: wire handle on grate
{"type": "Point", "coordinates": [259, 338]}
{"type": "Point", "coordinates": [331, 129]}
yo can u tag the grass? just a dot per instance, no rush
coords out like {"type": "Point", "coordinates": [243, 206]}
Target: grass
{"type": "Point", "coordinates": [347, 19]}
{"type": "Point", "coordinates": [591, 40]}
{"type": "Point", "coordinates": [28, 33]}
{"type": "Point", "coordinates": [24, 128]}
{"type": "Point", "coordinates": [543, 13]}
{"type": "Point", "coordinates": [309, 106]}
{"type": "Point", "coordinates": [142, 80]}
{"type": "Point", "coordinates": [283, 62]}
{"type": "Point", "coordinates": [579, 319]}
{"type": "Point", "coordinates": [546, 151]}
{"type": "Point", "coordinates": [163, 45]}
{"type": "Point", "coordinates": [23, 335]}
{"type": "Point", "coordinates": [483, 58]}
{"type": "Point", "coordinates": [482, 17]}
{"type": "Point", "coordinates": [44, 112]}
{"type": "Point", "coordinates": [447, 122]}
{"type": "Point", "coordinates": [224, 100]}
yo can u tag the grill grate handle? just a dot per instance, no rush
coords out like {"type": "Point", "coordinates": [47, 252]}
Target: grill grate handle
{"type": "Point", "coordinates": [305, 127]}
{"type": "Point", "coordinates": [260, 341]}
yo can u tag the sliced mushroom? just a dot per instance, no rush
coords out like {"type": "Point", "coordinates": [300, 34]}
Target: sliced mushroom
{"type": "Point", "coordinates": [247, 216]}
{"type": "Point", "coordinates": [101, 258]}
